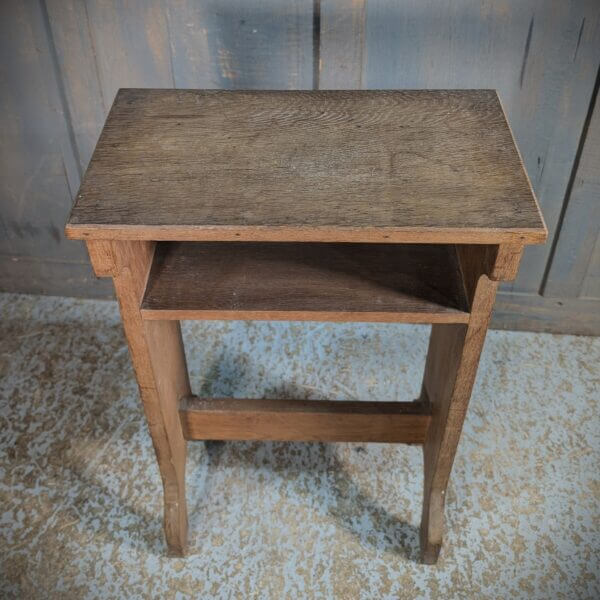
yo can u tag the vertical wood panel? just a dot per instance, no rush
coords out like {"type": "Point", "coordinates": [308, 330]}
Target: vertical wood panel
{"type": "Point", "coordinates": [190, 25]}
{"type": "Point", "coordinates": [342, 40]}
{"type": "Point", "coordinates": [241, 44]}
{"type": "Point", "coordinates": [37, 165]}
{"type": "Point", "coordinates": [591, 284]}
{"type": "Point", "coordinates": [102, 46]}
{"type": "Point", "coordinates": [70, 27]}
{"type": "Point", "coordinates": [131, 44]}
{"type": "Point", "coordinates": [575, 268]}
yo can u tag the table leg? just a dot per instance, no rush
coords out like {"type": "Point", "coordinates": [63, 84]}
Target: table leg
{"type": "Point", "coordinates": [159, 362]}
{"type": "Point", "coordinates": [450, 370]}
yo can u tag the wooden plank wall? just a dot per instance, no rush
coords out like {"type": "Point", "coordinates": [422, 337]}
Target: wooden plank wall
{"type": "Point", "coordinates": [67, 58]}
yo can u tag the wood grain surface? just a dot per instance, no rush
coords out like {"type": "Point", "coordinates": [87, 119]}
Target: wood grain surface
{"type": "Point", "coordinates": [303, 420]}
{"type": "Point", "coordinates": [158, 358]}
{"type": "Point", "coordinates": [299, 281]}
{"type": "Point", "coordinates": [395, 166]}
{"type": "Point", "coordinates": [575, 268]}
{"type": "Point", "coordinates": [450, 370]}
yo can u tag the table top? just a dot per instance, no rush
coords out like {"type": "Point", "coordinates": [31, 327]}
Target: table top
{"type": "Point", "coordinates": [430, 166]}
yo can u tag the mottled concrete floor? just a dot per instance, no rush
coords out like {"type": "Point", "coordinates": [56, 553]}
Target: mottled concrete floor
{"type": "Point", "coordinates": [81, 497]}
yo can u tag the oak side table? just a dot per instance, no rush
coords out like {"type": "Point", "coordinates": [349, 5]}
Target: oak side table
{"type": "Point", "coordinates": [388, 206]}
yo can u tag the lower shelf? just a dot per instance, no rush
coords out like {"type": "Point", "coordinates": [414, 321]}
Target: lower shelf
{"type": "Point", "coordinates": [419, 283]}
{"type": "Point", "coordinates": [303, 420]}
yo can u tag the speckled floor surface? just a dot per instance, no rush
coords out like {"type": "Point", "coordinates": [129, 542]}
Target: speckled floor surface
{"type": "Point", "coordinates": [80, 495]}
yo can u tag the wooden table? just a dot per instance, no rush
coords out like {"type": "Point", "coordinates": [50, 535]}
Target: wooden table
{"type": "Point", "coordinates": [389, 206]}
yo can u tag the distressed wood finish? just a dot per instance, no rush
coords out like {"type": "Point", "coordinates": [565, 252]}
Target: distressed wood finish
{"type": "Point", "coordinates": [38, 165]}
{"type": "Point", "coordinates": [243, 44]}
{"type": "Point", "coordinates": [159, 363]}
{"type": "Point", "coordinates": [342, 44]}
{"type": "Point", "coordinates": [53, 278]}
{"type": "Point", "coordinates": [238, 166]}
{"type": "Point", "coordinates": [304, 420]}
{"type": "Point", "coordinates": [307, 166]}
{"type": "Point", "coordinates": [498, 263]}
{"type": "Point", "coordinates": [575, 269]}
{"type": "Point", "coordinates": [102, 257]}
{"type": "Point", "coordinates": [450, 370]}
{"type": "Point", "coordinates": [320, 282]}
{"type": "Point", "coordinates": [525, 312]}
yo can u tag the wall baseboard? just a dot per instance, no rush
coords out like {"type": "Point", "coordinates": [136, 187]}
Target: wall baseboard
{"type": "Point", "coordinates": [30, 275]}
{"type": "Point", "coordinates": [530, 312]}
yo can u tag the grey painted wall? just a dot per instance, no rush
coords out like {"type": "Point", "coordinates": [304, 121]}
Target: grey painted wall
{"type": "Point", "coordinates": [65, 59]}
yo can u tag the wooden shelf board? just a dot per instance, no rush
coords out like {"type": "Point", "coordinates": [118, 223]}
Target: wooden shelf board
{"type": "Point", "coordinates": [416, 283]}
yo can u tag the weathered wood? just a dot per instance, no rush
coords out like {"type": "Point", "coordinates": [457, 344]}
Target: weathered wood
{"type": "Point", "coordinates": [506, 262]}
{"type": "Point", "coordinates": [38, 169]}
{"type": "Point", "coordinates": [244, 44]}
{"type": "Point", "coordinates": [450, 370]}
{"type": "Point", "coordinates": [543, 61]}
{"type": "Point", "coordinates": [575, 268]}
{"type": "Point", "coordinates": [417, 283]}
{"type": "Point", "coordinates": [342, 44]}
{"type": "Point", "coordinates": [267, 166]}
{"type": "Point", "coordinates": [303, 420]}
{"type": "Point", "coordinates": [498, 262]}
{"type": "Point", "coordinates": [73, 40]}
{"type": "Point", "coordinates": [591, 284]}
{"type": "Point", "coordinates": [159, 363]}
{"type": "Point", "coordinates": [531, 312]}
{"type": "Point", "coordinates": [145, 151]}
{"type": "Point", "coordinates": [130, 43]}
{"type": "Point", "coordinates": [171, 382]}
{"type": "Point", "coordinates": [101, 257]}
{"type": "Point", "coordinates": [446, 346]}
{"type": "Point", "coordinates": [32, 275]}
{"type": "Point", "coordinates": [85, 50]}
{"type": "Point", "coordinates": [475, 260]}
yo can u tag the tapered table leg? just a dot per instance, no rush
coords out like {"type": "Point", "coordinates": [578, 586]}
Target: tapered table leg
{"type": "Point", "coordinates": [450, 370]}
{"type": "Point", "coordinates": [159, 362]}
